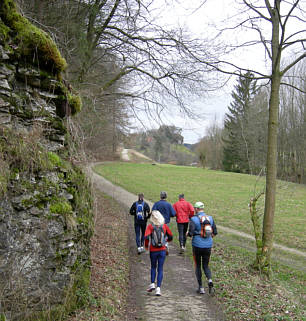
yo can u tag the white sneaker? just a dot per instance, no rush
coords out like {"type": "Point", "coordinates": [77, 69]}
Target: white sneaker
{"type": "Point", "coordinates": [157, 291]}
{"type": "Point", "coordinates": [139, 250]}
{"type": "Point", "coordinates": [201, 290]}
{"type": "Point", "coordinates": [142, 249]}
{"type": "Point", "coordinates": [151, 287]}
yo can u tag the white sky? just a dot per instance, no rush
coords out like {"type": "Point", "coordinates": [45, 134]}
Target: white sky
{"type": "Point", "coordinates": [204, 20]}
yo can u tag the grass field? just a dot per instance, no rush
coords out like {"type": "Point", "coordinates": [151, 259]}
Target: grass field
{"type": "Point", "coordinates": [243, 294]}
{"type": "Point", "coordinates": [225, 195]}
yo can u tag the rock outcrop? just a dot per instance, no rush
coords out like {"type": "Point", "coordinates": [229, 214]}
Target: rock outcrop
{"type": "Point", "coordinates": [45, 201]}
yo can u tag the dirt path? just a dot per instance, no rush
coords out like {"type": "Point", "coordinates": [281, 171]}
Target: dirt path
{"type": "Point", "coordinates": [125, 154]}
{"type": "Point", "coordinates": [179, 300]}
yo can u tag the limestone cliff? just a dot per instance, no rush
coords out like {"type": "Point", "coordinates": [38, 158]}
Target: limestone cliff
{"type": "Point", "coordinates": [45, 201]}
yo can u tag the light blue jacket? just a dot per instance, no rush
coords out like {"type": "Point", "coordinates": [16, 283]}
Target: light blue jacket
{"type": "Point", "coordinates": [195, 230]}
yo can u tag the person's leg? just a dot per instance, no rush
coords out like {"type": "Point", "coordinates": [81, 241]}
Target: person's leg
{"type": "Point", "coordinates": [161, 260]}
{"type": "Point", "coordinates": [180, 228]}
{"type": "Point", "coordinates": [205, 262]}
{"type": "Point", "coordinates": [137, 233]}
{"type": "Point", "coordinates": [185, 228]}
{"type": "Point", "coordinates": [153, 258]}
{"type": "Point", "coordinates": [207, 271]}
{"type": "Point", "coordinates": [197, 262]}
{"type": "Point", "coordinates": [143, 230]}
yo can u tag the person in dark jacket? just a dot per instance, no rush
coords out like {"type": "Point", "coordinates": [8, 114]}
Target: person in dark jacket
{"type": "Point", "coordinates": [184, 211]}
{"type": "Point", "coordinates": [141, 211]}
{"type": "Point", "coordinates": [201, 246]}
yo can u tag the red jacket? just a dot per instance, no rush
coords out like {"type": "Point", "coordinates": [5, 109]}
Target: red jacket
{"type": "Point", "coordinates": [149, 231]}
{"type": "Point", "coordinates": [184, 210]}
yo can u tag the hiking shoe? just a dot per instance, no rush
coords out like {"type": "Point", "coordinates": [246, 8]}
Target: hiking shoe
{"type": "Point", "coordinates": [157, 291]}
{"type": "Point", "coordinates": [151, 287]}
{"type": "Point", "coordinates": [211, 288]}
{"type": "Point", "coordinates": [201, 290]}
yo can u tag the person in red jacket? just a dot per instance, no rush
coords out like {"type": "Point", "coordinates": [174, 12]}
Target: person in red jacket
{"type": "Point", "coordinates": [184, 211]}
{"type": "Point", "coordinates": [156, 234]}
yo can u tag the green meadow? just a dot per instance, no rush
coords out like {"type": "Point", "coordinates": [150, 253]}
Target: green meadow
{"type": "Point", "coordinates": [226, 195]}
{"type": "Point", "coordinates": [242, 293]}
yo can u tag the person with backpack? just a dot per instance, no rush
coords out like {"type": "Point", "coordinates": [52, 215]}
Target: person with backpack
{"type": "Point", "coordinates": [141, 211]}
{"type": "Point", "coordinates": [166, 209]}
{"type": "Point", "coordinates": [202, 229]}
{"type": "Point", "coordinates": [156, 234]}
{"type": "Point", "coordinates": [184, 211]}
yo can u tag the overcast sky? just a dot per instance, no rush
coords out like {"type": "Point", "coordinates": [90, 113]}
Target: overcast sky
{"type": "Point", "coordinates": [204, 21]}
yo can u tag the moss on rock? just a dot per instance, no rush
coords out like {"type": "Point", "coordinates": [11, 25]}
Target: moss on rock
{"type": "Point", "coordinates": [4, 31]}
{"type": "Point", "coordinates": [75, 103]}
{"type": "Point", "coordinates": [31, 41]}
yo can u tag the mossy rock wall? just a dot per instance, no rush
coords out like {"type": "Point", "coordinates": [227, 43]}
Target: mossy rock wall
{"type": "Point", "coordinates": [45, 201]}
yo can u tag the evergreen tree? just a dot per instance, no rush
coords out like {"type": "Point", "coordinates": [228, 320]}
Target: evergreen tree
{"type": "Point", "coordinates": [237, 145]}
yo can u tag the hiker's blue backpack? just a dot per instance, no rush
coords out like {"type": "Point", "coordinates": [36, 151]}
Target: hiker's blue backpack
{"type": "Point", "coordinates": [140, 215]}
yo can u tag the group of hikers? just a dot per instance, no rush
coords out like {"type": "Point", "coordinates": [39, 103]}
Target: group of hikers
{"type": "Point", "coordinates": [191, 222]}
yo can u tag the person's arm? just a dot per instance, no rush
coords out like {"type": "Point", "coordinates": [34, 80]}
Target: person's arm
{"type": "Point", "coordinates": [191, 209]}
{"type": "Point", "coordinates": [214, 228]}
{"type": "Point", "coordinates": [147, 236]}
{"type": "Point", "coordinates": [172, 211]}
{"type": "Point", "coordinates": [147, 210]}
{"type": "Point", "coordinates": [191, 228]}
{"type": "Point", "coordinates": [174, 207]}
{"type": "Point", "coordinates": [133, 209]}
{"type": "Point", "coordinates": [168, 233]}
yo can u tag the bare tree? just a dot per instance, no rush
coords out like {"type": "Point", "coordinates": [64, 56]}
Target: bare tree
{"type": "Point", "coordinates": [269, 24]}
{"type": "Point", "coordinates": [150, 58]}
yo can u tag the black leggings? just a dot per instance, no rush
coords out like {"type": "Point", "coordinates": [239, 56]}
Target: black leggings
{"type": "Point", "coordinates": [201, 258]}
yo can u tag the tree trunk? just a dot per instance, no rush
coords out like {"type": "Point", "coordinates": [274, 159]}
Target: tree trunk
{"type": "Point", "coordinates": [267, 237]}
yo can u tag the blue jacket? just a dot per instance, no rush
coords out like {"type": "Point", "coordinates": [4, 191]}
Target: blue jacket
{"type": "Point", "coordinates": [165, 209]}
{"type": "Point", "coordinates": [195, 229]}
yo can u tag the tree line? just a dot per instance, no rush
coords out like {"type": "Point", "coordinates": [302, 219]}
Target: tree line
{"type": "Point", "coordinates": [239, 144]}
{"type": "Point", "coordinates": [164, 145]}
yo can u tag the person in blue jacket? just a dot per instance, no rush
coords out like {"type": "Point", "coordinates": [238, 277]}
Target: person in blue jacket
{"type": "Point", "coordinates": [166, 209]}
{"type": "Point", "coordinates": [202, 244]}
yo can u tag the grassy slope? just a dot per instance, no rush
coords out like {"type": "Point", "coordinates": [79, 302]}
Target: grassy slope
{"type": "Point", "coordinates": [226, 195]}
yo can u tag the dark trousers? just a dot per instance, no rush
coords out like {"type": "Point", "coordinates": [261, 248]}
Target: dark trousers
{"type": "Point", "coordinates": [140, 229]}
{"type": "Point", "coordinates": [201, 259]}
{"type": "Point", "coordinates": [182, 229]}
